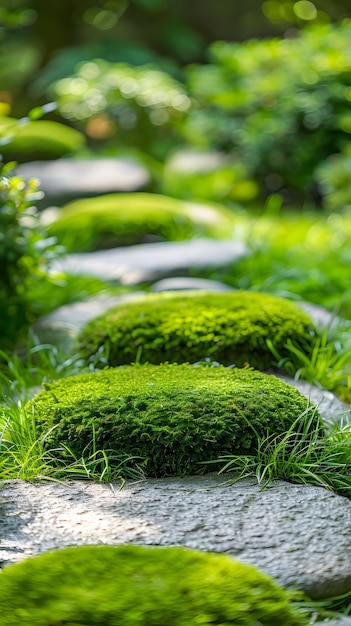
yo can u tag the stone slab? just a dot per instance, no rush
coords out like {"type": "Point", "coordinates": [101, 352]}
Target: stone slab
{"type": "Point", "coordinates": [147, 262]}
{"type": "Point", "coordinates": [63, 180]}
{"type": "Point", "coordinates": [299, 534]}
{"type": "Point", "coordinates": [321, 316]}
{"type": "Point", "coordinates": [332, 409]}
{"type": "Point", "coordinates": [187, 283]}
{"type": "Point", "coordinates": [61, 326]}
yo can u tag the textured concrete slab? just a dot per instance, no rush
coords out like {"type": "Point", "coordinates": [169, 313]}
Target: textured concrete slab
{"type": "Point", "coordinates": [299, 534]}
{"type": "Point", "coordinates": [67, 179]}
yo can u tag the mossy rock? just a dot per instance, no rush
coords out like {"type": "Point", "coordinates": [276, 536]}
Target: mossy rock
{"type": "Point", "coordinates": [141, 586]}
{"type": "Point", "coordinates": [123, 219]}
{"type": "Point", "coordinates": [42, 139]}
{"type": "Point", "coordinates": [171, 418]}
{"type": "Point", "coordinates": [232, 328]}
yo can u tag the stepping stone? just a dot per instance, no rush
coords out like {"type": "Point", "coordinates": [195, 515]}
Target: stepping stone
{"type": "Point", "coordinates": [146, 262]}
{"type": "Point", "coordinates": [331, 408]}
{"type": "Point", "coordinates": [321, 316]}
{"type": "Point", "coordinates": [67, 179]}
{"type": "Point", "coordinates": [185, 283]}
{"type": "Point", "coordinates": [299, 534]}
{"type": "Point", "coordinates": [344, 621]}
{"type": "Point", "coordinates": [61, 327]}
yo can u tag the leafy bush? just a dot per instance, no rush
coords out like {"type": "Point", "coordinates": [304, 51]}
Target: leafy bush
{"type": "Point", "coordinates": [282, 106]}
{"type": "Point", "coordinates": [130, 218]}
{"type": "Point", "coordinates": [24, 254]}
{"type": "Point", "coordinates": [175, 417]}
{"type": "Point", "coordinates": [139, 586]}
{"type": "Point", "coordinates": [229, 327]}
{"type": "Point", "coordinates": [26, 140]}
{"type": "Point", "coordinates": [334, 179]}
{"type": "Point", "coordinates": [141, 103]}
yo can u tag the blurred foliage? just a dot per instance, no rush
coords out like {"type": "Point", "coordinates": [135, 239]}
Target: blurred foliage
{"type": "Point", "coordinates": [282, 106]}
{"type": "Point", "coordinates": [136, 103]}
{"type": "Point", "coordinates": [334, 178]}
{"type": "Point", "coordinates": [277, 108]}
{"type": "Point", "coordinates": [63, 32]}
{"type": "Point", "coordinates": [296, 256]}
{"type": "Point", "coordinates": [25, 253]}
{"type": "Point", "coordinates": [27, 139]}
{"type": "Point", "coordinates": [207, 176]}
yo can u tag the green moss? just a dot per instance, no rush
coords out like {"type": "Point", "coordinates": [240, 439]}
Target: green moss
{"type": "Point", "coordinates": [131, 218]}
{"type": "Point", "coordinates": [139, 586]}
{"type": "Point", "coordinates": [41, 139]}
{"type": "Point", "coordinates": [173, 416]}
{"type": "Point", "coordinates": [232, 328]}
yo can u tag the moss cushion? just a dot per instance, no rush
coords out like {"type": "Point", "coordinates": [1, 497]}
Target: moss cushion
{"type": "Point", "coordinates": [173, 417]}
{"type": "Point", "coordinates": [138, 586]}
{"type": "Point", "coordinates": [132, 218]}
{"type": "Point", "coordinates": [232, 328]}
{"type": "Point", "coordinates": [41, 139]}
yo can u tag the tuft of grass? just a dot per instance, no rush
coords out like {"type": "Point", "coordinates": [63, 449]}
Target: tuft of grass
{"type": "Point", "coordinates": [22, 372]}
{"type": "Point", "coordinates": [326, 362]}
{"type": "Point", "coordinates": [303, 454]}
{"type": "Point", "coordinates": [24, 454]}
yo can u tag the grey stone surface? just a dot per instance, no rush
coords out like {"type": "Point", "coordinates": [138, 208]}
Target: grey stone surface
{"type": "Point", "coordinates": [299, 534]}
{"type": "Point", "coordinates": [134, 264]}
{"type": "Point", "coordinates": [185, 283]}
{"type": "Point", "coordinates": [195, 162]}
{"type": "Point", "coordinates": [344, 621]}
{"type": "Point", "coordinates": [61, 327]}
{"type": "Point", "coordinates": [321, 317]}
{"type": "Point", "coordinates": [331, 408]}
{"type": "Point", "coordinates": [66, 179]}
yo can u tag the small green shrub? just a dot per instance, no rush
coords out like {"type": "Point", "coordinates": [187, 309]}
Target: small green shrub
{"type": "Point", "coordinates": [334, 179]}
{"type": "Point", "coordinates": [26, 140]}
{"type": "Point", "coordinates": [282, 106]}
{"type": "Point", "coordinates": [24, 254]}
{"type": "Point", "coordinates": [232, 328]}
{"type": "Point", "coordinates": [141, 586]}
{"type": "Point", "coordinates": [140, 104]}
{"type": "Point", "coordinates": [173, 416]}
{"type": "Point", "coordinates": [131, 218]}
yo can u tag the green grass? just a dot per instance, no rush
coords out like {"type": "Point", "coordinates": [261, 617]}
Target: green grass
{"type": "Point", "coordinates": [325, 363]}
{"type": "Point", "coordinates": [23, 452]}
{"type": "Point", "coordinates": [301, 455]}
{"type": "Point", "coordinates": [300, 255]}
{"type": "Point", "coordinates": [25, 455]}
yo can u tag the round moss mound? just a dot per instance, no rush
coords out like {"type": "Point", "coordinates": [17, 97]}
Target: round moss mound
{"type": "Point", "coordinates": [138, 586]}
{"type": "Point", "coordinates": [42, 139]}
{"type": "Point", "coordinates": [232, 328]}
{"type": "Point", "coordinates": [174, 417]}
{"type": "Point", "coordinates": [122, 219]}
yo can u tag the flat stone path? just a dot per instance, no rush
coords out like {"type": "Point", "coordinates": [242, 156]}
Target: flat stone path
{"type": "Point", "coordinates": [145, 262]}
{"type": "Point", "coordinates": [63, 180]}
{"type": "Point", "coordinates": [299, 534]}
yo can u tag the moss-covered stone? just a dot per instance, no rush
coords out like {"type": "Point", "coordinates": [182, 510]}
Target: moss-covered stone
{"type": "Point", "coordinates": [139, 586]}
{"type": "Point", "coordinates": [42, 139]}
{"type": "Point", "coordinates": [232, 328]}
{"type": "Point", "coordinates": [174, 417]}
{"type": "Point", "coordinates": [131, 218]}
